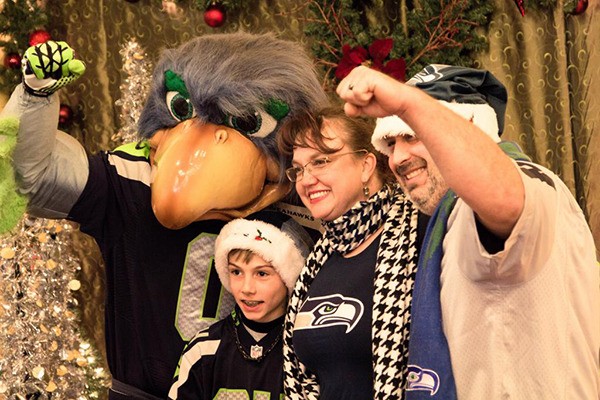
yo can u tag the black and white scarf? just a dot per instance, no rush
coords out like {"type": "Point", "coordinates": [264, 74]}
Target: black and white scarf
{"type": "Point", "coordinates": [394, 279]}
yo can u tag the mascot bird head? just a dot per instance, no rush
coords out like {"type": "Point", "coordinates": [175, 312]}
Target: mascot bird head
{"type": "Point", "coordinates": [211, 120]}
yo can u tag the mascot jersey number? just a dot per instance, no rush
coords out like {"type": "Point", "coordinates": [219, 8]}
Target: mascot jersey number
{"type": "Point", "coordinates": [207, 155]}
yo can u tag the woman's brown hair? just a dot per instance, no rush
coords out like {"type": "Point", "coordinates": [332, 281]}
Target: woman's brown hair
{"type": "Point", "coordinates": [305, 130]}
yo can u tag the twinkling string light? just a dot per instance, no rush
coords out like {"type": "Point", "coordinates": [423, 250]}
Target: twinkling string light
{"type": "Point", "coordinates": [43, 354]}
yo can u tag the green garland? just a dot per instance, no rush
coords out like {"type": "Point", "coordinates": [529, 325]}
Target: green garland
{"type": "Point", "coordinates": [423, 31]}
{"type": "Point", "coordinates": [333, 23]}
{"type": "Point", "coordinates": [18, 19]}
{"type": "Point", "coordinates": [545, 5]}
{"type": "Point", "coordinates": [229, 5]}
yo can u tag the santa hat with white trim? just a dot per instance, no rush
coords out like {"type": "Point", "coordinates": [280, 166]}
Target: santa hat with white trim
{"type": "Point", "coordinates": [274, 236]}
{"type": "Point", "coordinates": [472, 93]}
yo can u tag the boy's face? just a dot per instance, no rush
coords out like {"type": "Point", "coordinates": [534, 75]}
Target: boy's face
{"type": "Point", "coordinates": [257, 288]}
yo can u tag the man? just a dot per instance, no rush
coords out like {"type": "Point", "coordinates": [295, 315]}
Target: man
{"type": "Point", "coordinates": [507, 296]}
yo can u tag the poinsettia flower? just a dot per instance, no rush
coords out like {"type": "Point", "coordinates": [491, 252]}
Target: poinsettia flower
{"type": "Point", "coordinates": [396, 68]}
{"type": "Point", "coordinates": [374, 58]}
{"type": "Point", "coordinates": [379, 50]}
{"type": "Point", "coordinates": [351, 57]}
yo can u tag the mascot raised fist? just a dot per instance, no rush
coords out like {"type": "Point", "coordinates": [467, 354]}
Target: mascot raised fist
{"type": "Point", "coordinates": [207, 153]}
{"type": "Point", "coordinates": [49, 66]}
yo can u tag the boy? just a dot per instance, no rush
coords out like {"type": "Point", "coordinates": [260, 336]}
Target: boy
{"type": "Point", "coordinates": [258, 260]}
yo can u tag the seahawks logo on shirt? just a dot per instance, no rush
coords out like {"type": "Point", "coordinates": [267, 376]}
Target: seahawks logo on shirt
{"type": "Point", "coordinates": [535, 172]}
{"type": "Point", "coordinates": [326, 311]}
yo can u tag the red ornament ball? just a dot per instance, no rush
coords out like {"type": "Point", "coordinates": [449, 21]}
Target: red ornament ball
{"type": "Point", "coordinates": [581, 6]}
{"type": "Point", "coordinates": [39, 36]}
{"type": "Point", "coordinates": [65, 115]}
{"type": "Point", "coordinates": [214, 15]}
{"type": "Point", "coordinates": [12, 61]}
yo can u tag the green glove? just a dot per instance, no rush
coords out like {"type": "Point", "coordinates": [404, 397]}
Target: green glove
{"type": "Point", "coordinates": [49, 66]}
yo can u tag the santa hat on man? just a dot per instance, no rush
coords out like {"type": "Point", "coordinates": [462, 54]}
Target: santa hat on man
{"type": "Point", "coordinates": [276, 237]}
{"type": "Point", "coordinates": [472, 93]}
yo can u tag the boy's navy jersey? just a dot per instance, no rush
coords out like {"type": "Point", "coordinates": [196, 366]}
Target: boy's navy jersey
{"type": "Point", "coordinates": [161, 286]}
{"type": "Point", "coordinates": [212, 364]}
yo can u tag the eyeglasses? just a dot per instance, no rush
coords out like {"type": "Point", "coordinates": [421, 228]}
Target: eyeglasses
{"type": "Point", "coordinates": [295, 174]}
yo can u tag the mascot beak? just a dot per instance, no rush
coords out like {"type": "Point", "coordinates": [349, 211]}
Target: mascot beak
{"type": "Point", "coordinates": [206, 171]}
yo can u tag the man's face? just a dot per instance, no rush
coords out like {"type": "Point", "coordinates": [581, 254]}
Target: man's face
{"type": "Point", "coordinates": [415, 171]}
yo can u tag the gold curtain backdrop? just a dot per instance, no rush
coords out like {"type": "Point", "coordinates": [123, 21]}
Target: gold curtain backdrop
{"type": "Point", "coordinates": [548, 61]}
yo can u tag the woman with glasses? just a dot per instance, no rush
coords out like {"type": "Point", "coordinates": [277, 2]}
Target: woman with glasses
{"type": "Point", "coordinates": [346, 334]}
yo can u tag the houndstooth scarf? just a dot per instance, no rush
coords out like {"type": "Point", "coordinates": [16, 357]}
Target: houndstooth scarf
{"type": "Point", "coordinates": [394, 278]}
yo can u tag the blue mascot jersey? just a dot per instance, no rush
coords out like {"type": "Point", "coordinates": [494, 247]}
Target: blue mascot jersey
{"type": "Point", "coordinates": [161, 286]}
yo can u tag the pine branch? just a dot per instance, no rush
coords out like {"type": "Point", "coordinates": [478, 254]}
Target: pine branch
{"type": "Point", "coordinates": [422, 31]}
{"type": "Point", "coordinates": [18, 19]}
{"type": "Point", "coordinates": [445, 29]}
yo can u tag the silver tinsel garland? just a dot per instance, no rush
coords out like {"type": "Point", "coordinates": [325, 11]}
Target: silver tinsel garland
{"type": "Point", "coordinates": [133, 90]}
{"type": "Point", "coordinates": [42, 352]}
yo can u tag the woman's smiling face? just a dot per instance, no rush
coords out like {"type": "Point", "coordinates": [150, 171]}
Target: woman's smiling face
{"type": "Point", "coordinates": [332, 190]}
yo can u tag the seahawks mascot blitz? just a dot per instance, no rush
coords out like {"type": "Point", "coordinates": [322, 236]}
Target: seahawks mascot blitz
{"type": "Point", "coordinates": [207, 154]}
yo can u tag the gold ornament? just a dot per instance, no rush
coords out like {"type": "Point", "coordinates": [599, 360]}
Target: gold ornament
{"type": "Point", "coordinates": [81, 361]}
{"type": "Point", "coordinates": [73, 354]}
{"type": "Point", "coordinates": [43, 237]}
{"type": "Point", "coordinates": [74, 285]}
{"type": "Point", "coordinates": [62, 370]}
{"type": "Point", "coordinates": [51, 386]}
{"type": "Point", "coordinates": [38, 372]}
{"type": "Point", "coordinates": [7, 253]}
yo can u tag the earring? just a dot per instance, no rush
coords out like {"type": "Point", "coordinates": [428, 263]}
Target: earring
{"type": "Point", "coordinates": [366, 191]}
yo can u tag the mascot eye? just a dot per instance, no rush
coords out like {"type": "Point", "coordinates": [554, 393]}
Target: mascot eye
{"type": "Point", "coordinates": [260, 124]}
{"type": "Point", "coordinates": [179, 106]}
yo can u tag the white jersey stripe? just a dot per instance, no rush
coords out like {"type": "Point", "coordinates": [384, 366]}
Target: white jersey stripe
{"type": "Point", "coordinates": [189, 358]}
{"type": "Point", "coordinates": [134, 170]}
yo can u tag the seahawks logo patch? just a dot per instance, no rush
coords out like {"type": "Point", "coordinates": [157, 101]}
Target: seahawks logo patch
{"type": "Point", "coordinates": [429, 74]}
{"type": "Point", "coordinates": [326, 311]}
{"type": "Point", "coordinates": [422, 379]}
